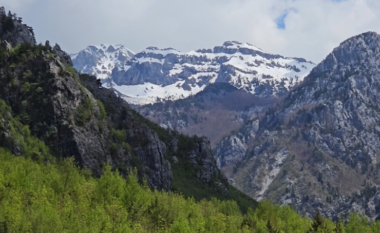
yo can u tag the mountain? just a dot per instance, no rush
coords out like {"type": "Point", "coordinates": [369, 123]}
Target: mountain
{"type": "Point", "coordinates": [214, 112]}
{"type": "Point", "coordinates": [156, 75]}
{"type": "Point", "coordinates": [52, 109]}
{"type": "Point", "coordinates": [101, 60]}
{"type": "Point", "coordinates": [319, 146]}
{"type": "Point", "coordinates": [250, 80]}
{"type": "Point", "coordinates": [66, 146]}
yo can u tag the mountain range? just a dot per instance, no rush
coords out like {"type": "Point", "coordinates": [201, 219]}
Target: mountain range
{"type": "Point", "coordinates": [302, 135]}
{"type": "Point", "coordinates": [156, 75]}
{"type": "Point", "coordinates": [291, 132]}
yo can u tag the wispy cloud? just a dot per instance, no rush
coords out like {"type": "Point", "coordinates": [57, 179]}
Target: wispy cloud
{"type": "Point", "coordinates": [311, 29]}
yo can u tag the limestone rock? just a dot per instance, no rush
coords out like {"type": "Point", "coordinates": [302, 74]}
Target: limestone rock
{"type": "Point", "coordinates": [318, 148]}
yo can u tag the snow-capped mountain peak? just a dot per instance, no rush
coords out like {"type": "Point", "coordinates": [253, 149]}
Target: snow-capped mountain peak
{"type": "Point", "coordinates": [155, 75]}
{"type": "Point", "coordinates": [239, 45]}
{"type": "Point", "coordinates": [100, 60]}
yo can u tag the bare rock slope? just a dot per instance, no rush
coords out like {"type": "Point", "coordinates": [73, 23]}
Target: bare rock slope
{"type": "Point", "coordinates": [319, 147]}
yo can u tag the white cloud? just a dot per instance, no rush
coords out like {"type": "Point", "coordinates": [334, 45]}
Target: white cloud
{"type": "Point", "coordinates": [313, 27]}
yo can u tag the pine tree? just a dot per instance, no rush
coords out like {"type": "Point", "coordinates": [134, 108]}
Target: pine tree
{"type": "Point", "coordinates": [338, 228]}
{"type": "Point", "coordinates": [317, 223]}
{"type": "Point", "coordinates": [271, 229]}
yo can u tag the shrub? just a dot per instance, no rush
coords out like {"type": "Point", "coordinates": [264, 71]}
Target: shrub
{"type": "Point", "coordinates": [84, 112]}
{"type": "Point", "coordinates": [102, 110]}
{"type": "Point", "coordinates": [126, 147]}
{"type": "Point", "coordinates": [71, 71]}
{"type": "Point", "coordinates": [114, 149]}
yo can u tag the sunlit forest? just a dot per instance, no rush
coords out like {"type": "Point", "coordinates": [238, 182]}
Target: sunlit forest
{"type": "Point", "coordinates": [59, 197]}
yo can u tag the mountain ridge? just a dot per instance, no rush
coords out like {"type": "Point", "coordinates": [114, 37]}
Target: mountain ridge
{"type": "Point", "coordinates": [318, 146]}
{"type": "Point", "coordinates": [156, 75]}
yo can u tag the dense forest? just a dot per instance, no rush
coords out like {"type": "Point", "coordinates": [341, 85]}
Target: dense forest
{"type": "Point", "coordinates": [60, 197]}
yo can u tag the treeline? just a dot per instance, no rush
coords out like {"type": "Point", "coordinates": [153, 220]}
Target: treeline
{"type": "Point", "coordinates": [59, 197]}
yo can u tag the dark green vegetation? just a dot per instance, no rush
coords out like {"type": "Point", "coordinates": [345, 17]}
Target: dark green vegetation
{"type": "Point", "coordinates": [7, 22]}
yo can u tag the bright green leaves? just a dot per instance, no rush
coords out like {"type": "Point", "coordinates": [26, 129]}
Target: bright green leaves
{"type": "Point", "coordinates": [59, 197]}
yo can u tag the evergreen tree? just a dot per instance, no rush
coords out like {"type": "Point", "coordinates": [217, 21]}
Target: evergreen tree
{"type": "Point", "coordinates": [317, 224]}
{"type": "Point", "coordinates": [271, 229]}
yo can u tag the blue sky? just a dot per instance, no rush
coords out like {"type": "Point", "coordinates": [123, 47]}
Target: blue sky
{"type": "Point", "coordinates": [294, 28]}
{"type": "Point", "coordinates": [280, 21]}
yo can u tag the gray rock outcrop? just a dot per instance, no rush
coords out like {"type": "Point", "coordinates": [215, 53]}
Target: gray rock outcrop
{"type": "Point", "coordinates": [318, 148]}
{"type": "Point", "coordinates": [14, 31]}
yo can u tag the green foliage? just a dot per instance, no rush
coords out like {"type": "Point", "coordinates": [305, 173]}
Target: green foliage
{"type": "Point", "coordinates": [71, 70]}
{"type": "Point", "coordinates": [118, 136]}
{"type": "Point", "coordinates": [19, 139]}
{"type": "Point", "coordinates": [102, 110]}
{"type": "Point", "coordinates": [60, 197]}
{"type": "Point", "coordinates": [126, 147]}
{"type": "Point", "coordinates": [39, 90]}
{"type": "Point", "coordinates": [84, 112]}
{"type": "Point", "coordinates": [322, 225]}
{"type": "Point", "coordinates": [114, 149]}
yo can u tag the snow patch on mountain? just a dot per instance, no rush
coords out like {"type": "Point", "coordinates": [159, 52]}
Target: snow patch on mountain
{"type": "Point", "coordinates": [176, 75]}
{"type": "Point", "coordinates": [151, 93]}
{"type": "Point", "coordinates": [100, 60]}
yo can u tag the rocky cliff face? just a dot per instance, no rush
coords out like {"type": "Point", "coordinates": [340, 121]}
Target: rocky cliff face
{"type": "Point", "coordinates": [13, 30]}
{"type": "Point", "coordinates": [63, 112]}
{"type": "Point", "coordinates": [156, 75]}
{"type": "Point", "coordinates": [74, 117]}
{"type": "Point", "coordinates": [319, 146]}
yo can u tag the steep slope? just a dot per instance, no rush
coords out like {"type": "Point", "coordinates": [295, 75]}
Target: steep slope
{"type": "Point", "coordinates": [74, 118]}
{"type": "Point", "coordinates": [100, 60]}
{"type": "Point", "coordinates": [155, 75]}
{"type": "Point", "coordinates": [214, 112]}
{"type": "Point", "coordinates": [319, 146]}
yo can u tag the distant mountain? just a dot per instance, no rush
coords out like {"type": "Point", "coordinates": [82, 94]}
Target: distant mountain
{"type": "Point", "coordinates": [155, 75]}
{"type": "Point", "coordinates": [214, 112]}
{"type": "Point", "coordinates": [101, 60]}
{"type": "Point", "coordinates": [319, 146]}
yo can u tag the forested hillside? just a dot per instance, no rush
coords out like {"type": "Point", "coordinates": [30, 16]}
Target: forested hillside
{"type": "Point", "coordinates": [50, 196]}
